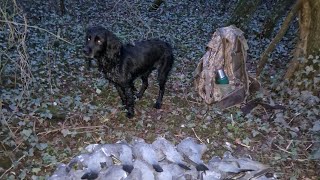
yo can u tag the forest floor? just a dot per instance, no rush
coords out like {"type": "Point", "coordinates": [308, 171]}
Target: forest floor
{"type": "Point", "coordinates": [50, 116]}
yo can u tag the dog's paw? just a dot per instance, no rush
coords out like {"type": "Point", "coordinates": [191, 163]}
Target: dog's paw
{"type": "Point", "coordinates": [157, 105]}
{"type": "Point", "coordinates": [139, 95]}
{"type": "Point", "coordinates": [130, 115]}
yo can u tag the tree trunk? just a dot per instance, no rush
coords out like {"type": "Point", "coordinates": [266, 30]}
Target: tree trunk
{"type": "Point", "coordinates": [304, 71]}
{"type": "Point", "coordinates": [313, 47]}
{"type": "Point", "coordinates": [314, 36]}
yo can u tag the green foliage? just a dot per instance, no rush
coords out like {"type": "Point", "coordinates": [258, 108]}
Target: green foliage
{"type": "Point", "coordinates": [67, 106]}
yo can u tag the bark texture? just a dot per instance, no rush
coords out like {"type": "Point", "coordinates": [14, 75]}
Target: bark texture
{"type": "Point", "coordinates": [314, 36]}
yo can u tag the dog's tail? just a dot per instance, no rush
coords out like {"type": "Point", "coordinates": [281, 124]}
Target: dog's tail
{"type": "Point", "coordinates": [170, 58]}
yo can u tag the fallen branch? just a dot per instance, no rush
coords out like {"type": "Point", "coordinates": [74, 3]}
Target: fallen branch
{"type": "Point", "coordinates": [274, 42]}
{"type": "Point", "coordinates": [39, 28]}
{"type": "Point", "coordinates": [75, 128]}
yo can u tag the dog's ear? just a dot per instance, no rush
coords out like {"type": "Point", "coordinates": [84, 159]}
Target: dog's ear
{"type": "Point", "coordinates": [90, 30]}
{"type": "Point", "coordinates": [113, 45]}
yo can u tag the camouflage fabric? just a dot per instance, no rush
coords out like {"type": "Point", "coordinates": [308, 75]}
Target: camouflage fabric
{"type": "Point", "coordinates": [226, 50]}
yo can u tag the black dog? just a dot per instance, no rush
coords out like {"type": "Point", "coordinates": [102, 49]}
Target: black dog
{"type": "Point", "coordinates": [122, 64]}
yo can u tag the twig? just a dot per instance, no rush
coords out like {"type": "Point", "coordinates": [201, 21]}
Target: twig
{"type": "Point", "coordinates": [39, 28]}
{"type": "Point", "coordinates": [294, 117]}
{"type": "Point", "coordinates": [282, 149]}
{"type": "Point", "coordinates": [197, 135]}
{"type": "Point", "coordinates": [309, 146]}
{"type": "Point", "coordinates": [12, 166]}
{"type": "Point", "coordinates": [240, 143]}
{"type": "Point", "coordinates": [244, 145]}
{"type": "Point", "coordinates": [87, 132]}
{"type": "Point", "coordinates": [232, 121]}
{"type": "Point", "coordinates": [290, 142]}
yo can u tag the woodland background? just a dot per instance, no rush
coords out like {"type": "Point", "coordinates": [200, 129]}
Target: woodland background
{"type": "Point", "coordinates": [52, 105]}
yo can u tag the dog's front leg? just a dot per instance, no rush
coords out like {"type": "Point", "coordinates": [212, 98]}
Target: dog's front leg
{"type": "Point", "coordinates": [121, 94]}
{"type": "Point", "coordinates": [130, 101]}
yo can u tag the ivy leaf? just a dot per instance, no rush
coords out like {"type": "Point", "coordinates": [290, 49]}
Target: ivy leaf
{"type": "Point", "coordinates": [315, 155]}
{"type": "Point", "coordinates": [86, 118]}
{"type": "Point", "coordinates": [309, 69]}
{"type": "Point", "coordinates": [65, 132]}
{"type": "Point", "coordinates": [36, 170]}
{"type": "Point", "coordinates": [30, 152]}
{"type": "Point", "coordinates": [98, 91]}
{"type": "Point", "coordinates": [255, 133]}
{"type": "Point", "coordinates": [246, 141]}
{"type": "Point", "coordinates": [26, 132]}
{"type": "Point", "coordinates": [191, 125]}
{"type": "Point", "coordinates": [42, 146]}
{"type": "Point", "coordinates": [316, 126]}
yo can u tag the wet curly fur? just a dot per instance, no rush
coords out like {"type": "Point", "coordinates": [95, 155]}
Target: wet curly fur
{"type": "Point", "coordinates": [122, 64]}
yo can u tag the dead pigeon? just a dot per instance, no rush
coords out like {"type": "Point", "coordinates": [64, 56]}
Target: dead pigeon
{"type": "Point", "coordinates": [145, 169]}
{"type": "Point", "coordinates": [211, 175]}
{"type": "Point", "coordinates": [125, 156]}
{"type": "Point", "coordinates": [192, 174]}
{"type": "Point", "coordinates": [239, 168]}
{"type": "Point", "coordinates": [93, 163]}
{"type": "Point", "coordinates": [246, 163]}
{"type": "Point", "coordinates": [61, 173]}
{"type": "Point", "coordinates": [170, 152]}
{"type": "Point", "coordinates": [121, 151]}
{"type": "Point", "coordinates": [145, 152]}
{"type": "Point", "coordinates": [135, 174]}
{"type": "Point", "coordinates": [193, 151]}
{"type": "Point", "coordinates": [231, 164]}
{"type": "Point", "coordinates": [113, 172]}
{"type": "Point", "coordinates": [141, 160]}
{"type": "Point", "coordinates": [92, 147]}
{"type": "Point", "coordinates": [170, 171]}
{"type": "Point", "coordinates": [225, 165]}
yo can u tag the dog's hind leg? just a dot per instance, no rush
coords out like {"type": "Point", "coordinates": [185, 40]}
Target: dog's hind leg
{"type": "Point", "coordinates": [121, 94]}
{"type": "Point", "coordinates": [163, 73]}
{"type": "Point", "coordinates": [130, 101]}
{"type": "Point", "coordinates": [144, 85]}
{"type": "Point", "coordinates": [162, 82]}
{"type": "Point", "coordinates": [133, 87]}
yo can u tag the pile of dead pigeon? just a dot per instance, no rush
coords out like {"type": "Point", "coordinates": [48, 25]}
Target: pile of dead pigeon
{"type": "Point", "coordinates": [160, 160]}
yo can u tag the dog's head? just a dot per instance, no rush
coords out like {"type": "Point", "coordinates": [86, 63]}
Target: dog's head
{"type": "Point", "coordinates": [101, 42]}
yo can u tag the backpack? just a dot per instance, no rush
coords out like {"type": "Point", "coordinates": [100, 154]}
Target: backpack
{"type": "Point", "coordinates": [227, 51]}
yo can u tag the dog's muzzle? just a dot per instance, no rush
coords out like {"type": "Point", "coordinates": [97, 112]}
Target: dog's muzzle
{"type": "Point", "coordinates": [87, 52]}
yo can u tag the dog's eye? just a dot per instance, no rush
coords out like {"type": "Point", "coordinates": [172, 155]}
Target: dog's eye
{"type": "Point", "coordinates": [99, 42]}
{"type": "Point", "coordinates": [88, 39]}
